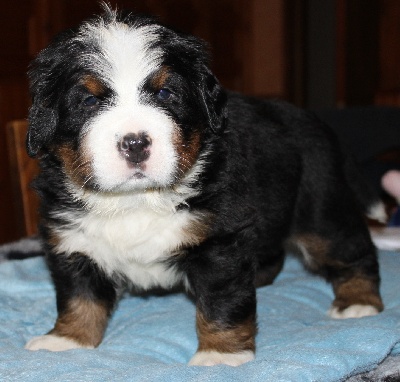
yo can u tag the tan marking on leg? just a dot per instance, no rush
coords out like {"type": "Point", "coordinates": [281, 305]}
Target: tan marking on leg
{"type": "Point", "coordinates": [84, 321]}
{"type": "Point", "coordinates": [357, 290]}
{"type": "Point", "coordinates": [316, 249]}
{"type": "Point", "coordinates": [232, 340]}
{"type": "Point", "coordinates": [314, 243]}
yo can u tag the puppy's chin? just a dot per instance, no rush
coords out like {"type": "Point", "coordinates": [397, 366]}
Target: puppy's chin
{"type": "Point", "coordinates": [136, 183]}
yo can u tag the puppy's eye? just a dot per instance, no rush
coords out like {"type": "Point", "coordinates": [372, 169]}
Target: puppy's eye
{"type": "Point", "coordinates": [91, 101]}
{"type": "Point", "coordinates": [164, 94]}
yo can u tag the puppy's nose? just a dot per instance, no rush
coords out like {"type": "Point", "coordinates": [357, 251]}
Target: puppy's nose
{"type": "Point", "coordinates": [135, 147]}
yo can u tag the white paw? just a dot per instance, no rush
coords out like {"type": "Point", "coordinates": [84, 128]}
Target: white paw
{"type": "Point", "coordinates": [53, 343]}
{"type": "Point", "coordinates": [353, 311]}
{"type": "Point", "coordinates": [211, 358]}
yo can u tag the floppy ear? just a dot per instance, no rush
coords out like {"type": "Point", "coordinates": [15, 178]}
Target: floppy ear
{"type": "Point", "coordinates": [43, 73]}
{"type": "Point", "coordinates": [42, 124]}
{"type": "Point", "coordinates": [214, 99]}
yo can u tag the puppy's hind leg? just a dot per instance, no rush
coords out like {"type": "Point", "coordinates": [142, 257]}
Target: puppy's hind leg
{"type": "Point", "coordinates": [350, 264]}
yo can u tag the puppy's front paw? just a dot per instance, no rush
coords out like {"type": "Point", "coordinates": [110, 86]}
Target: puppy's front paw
{"type": "Point", "coordinates": [353, 311]}
{"type": "Point", "coordinates": [211, 358]}
{"type": "Point", "coordinates": [53, 343]}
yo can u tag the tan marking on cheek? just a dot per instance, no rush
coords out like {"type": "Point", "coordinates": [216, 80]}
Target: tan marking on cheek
{"type": "Point", "coordinates": [93, 85]}
{"type": "Point", "coordinates": [357, 290]}
{"type": "Point", "coordinates": [84, 321]}
{"type": "Point", "coordinates": [77, 165]}
{"type": "Point", "coordinates": [187, 150]}
{"type": "Point", "coordinates": [232, 340]}
{"type": "Point", "coordinates": [159, 79]}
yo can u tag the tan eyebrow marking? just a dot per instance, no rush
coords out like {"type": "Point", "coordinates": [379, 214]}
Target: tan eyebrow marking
{"type": "Point", "coordinates": [93, 85]}
{"type": "Point", "coordinates": [160, 77]}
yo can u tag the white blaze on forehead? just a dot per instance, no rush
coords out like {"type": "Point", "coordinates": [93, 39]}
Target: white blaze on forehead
{"type": "Point", "coordinates": [123, 57]}
{"type": "Point", "coordinates": [127, 56]}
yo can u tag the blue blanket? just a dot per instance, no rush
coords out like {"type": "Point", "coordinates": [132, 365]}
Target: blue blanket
{"type": "Point", "coordinates": [152, 338]}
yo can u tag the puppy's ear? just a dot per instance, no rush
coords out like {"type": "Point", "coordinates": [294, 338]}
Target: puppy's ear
{"type": "Point", "coordinates": [44, 77]}
{"type": "Point", "coordinates": [42, 125]}
{"type": "Point", "coordinates": [214, 98]}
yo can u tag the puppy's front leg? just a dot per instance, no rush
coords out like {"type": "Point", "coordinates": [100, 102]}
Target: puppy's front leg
{"type": "Point", "coordinates": [226, 313]}
{"type": "Point", "coordinates": [85, 299]}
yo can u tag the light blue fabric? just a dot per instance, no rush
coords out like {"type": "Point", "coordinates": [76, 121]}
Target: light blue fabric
{"type": "Point", "coordinates": [152, 339]}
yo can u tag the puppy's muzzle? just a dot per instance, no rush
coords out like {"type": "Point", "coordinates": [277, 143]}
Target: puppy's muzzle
{"type": "Point", "coordinates": [135, 148]}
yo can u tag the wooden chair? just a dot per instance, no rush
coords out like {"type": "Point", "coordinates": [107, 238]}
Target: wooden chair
{"type": "Point", "coordinates": [23, 171]}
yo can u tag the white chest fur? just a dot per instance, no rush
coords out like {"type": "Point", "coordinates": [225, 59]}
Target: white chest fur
{"type": "Point", "coordinates": [133, 242]}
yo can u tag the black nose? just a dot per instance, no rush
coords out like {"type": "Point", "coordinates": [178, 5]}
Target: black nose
{"type": "Point", "coordinates": [135, 147]}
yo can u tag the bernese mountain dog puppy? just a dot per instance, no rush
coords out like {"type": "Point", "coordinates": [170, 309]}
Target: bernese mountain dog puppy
{"type": "Point", "coordinates": [152, 175]}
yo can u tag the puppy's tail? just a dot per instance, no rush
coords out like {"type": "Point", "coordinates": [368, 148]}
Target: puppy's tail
{"type": "Point", "coordinates": [365, 193]}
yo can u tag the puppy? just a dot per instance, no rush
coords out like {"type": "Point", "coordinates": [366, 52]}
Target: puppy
{"type": "Point", "coordinates": [152, 176]}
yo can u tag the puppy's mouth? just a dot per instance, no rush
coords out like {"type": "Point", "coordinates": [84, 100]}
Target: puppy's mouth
{"type": "Point", "coordinates": [138, 175]}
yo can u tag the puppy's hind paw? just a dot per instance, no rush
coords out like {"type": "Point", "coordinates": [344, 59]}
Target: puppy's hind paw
{"type": "Point", "coordinates": [53, 343]}
{"type": "Point", "coordinates": [212, 358]}
{"type": "Point", "coordinates": [353, 311]}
